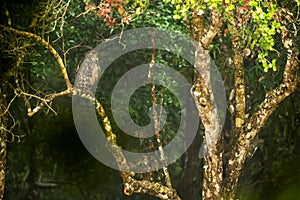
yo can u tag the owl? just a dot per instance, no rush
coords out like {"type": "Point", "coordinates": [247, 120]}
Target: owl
{"type": "Point", "coordinates": [87, 74]}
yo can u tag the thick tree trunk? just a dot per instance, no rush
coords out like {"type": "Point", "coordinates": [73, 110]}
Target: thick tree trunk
{"type": "Point", "coordinates": [205, 101]}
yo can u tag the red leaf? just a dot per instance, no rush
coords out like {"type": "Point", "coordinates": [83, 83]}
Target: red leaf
{"type": "Point", "coordinates": [126, 20]}
{"type": "Point", "coordinates": [108, 10]}
{"type": "Point", "coordinates": [121, 10]}
{"type": "Point", "coordinates": [102, 13]}
{"type": "Point", "coordinates": [243, 9]}
{"type": "Point", "coordinates": [93, 7]}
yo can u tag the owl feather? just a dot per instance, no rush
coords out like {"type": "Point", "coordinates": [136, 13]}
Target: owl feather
{"type": "Point", "coordinates": [87, 74]}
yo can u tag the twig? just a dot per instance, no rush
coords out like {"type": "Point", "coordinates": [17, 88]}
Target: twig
{"type": "Point", "coordinates": [48, 98]}
{"type": "Point", "coordinates": [48, 46]}
{"type": "Point", "coordinates": [8, 106]}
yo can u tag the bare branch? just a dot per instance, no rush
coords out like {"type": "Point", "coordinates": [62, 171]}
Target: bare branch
{"type": "Point", "coordinates": [49, 47]}
{"type": "Point", "coordinates": [155, 189]}
{"type": "Point", "coordinates": [44, 101]}
{"type": "Point", "coordinates": [155, 115]}
{"type": "Point", "coordinates": [131, 185]}
{"type": "Point", "coordinates": [8, 106]}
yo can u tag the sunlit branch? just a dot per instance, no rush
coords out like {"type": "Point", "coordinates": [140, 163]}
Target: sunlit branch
{"type": "Point", "coordinates": [44, 100]}
{"type": "Point", "coordinates": [131, 185]}
{"type": "Point", "coordinates": [272, 100]}
{"type": "Point", "coordinates": [8, 106]}
{"type": "Point", "coordinates": [213, 29]}
{"type": "Point", "coordinates": [239, 78]}
{"type": "Point", "coordinates": [49, 47]}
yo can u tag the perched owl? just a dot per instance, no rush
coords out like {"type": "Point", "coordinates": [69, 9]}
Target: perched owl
{"type": "Point", "coordinates": [87, 74]}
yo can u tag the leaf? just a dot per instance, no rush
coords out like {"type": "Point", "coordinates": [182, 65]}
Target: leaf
{"type": "Point", "coordinates": [138, 11]}
{"type": "Point", "coordinates": [177, 17]}
{"type": "Point", "coordinates": [121, 10]}
{"type": "Point", "coordinates": [229, 8]}
{"type": "Point", "coordinates": [274, 65]}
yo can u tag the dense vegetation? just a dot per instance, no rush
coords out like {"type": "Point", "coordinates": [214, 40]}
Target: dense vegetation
{"type": "Point", "coordinates": [45, 157]}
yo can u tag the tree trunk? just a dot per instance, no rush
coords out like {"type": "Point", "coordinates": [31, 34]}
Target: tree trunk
{"type": "Point", "coordinates": [3, 126]}
{"type": "Point", "coordinates": [208, 111]}
{"type": "Point", "coordinates": [205, 102]}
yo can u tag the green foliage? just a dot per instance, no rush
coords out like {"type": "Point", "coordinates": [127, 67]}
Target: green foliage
{"type": "Point", "coordinates": [266, 28]}
{"type": "Point", "coordinates": [52, 140]}
{"type": "Point", "coordinates": [259, 26]}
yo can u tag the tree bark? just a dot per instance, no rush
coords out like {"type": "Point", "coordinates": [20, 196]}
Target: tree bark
{"type": "Point", "coordinates": [252, 127]}
{"type": "Point", "coordinates": [3, 132]}
{"type": "Point", "coordinates": [204, 97]}
{"type": "Point", "coordinates": [205, 101]}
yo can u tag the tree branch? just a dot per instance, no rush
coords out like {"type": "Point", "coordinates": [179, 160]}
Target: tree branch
{"type": "Point", "coordinates": [213, 30]}
{"type": "Point", "coordinates": [257, 121]}
{"type": "Point", "coordinates": [131, 185]}
{"type": "Point", "coordinates": [49, 47]}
